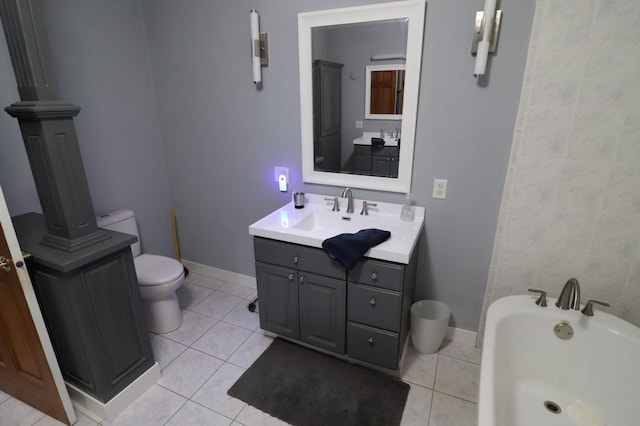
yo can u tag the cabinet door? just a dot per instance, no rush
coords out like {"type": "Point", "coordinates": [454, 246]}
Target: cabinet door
{"type": "Point", "coordinates": [380, 166]}
{"type": "Point", "coordinates": [278, 295]}
{"type": "Point", "coordinates": [322, 311]}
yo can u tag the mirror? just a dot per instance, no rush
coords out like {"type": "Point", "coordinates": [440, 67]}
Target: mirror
{"type": "Point", "coordinates": [342, 144]}
{"type": "Point", "coordinates": [384, 92]}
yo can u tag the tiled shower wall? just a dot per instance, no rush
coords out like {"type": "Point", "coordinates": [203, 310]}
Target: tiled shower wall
{"type": "Point", "coordinates": [571, 202]}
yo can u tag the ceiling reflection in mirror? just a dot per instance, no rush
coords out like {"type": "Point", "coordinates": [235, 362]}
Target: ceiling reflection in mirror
{"type": "Point", "coordinates": [359, 79]}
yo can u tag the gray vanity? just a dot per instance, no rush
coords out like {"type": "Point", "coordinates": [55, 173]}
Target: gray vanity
{"type": "Point", "coordinates": [361, 314]}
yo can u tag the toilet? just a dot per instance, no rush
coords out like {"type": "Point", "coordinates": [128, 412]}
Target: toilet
{"type": "Point", "coordinates": [158, 276]}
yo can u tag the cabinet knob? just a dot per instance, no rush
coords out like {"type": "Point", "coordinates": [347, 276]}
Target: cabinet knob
{"type": "Point", "coordinates": [301, 279]}
{"type": "Point", "coordinates": [291, 277]}
{"type": "Point", "coordinates": [295, 260]}
{"type": "Point", "coordinates": [370, 341]}
{"type": "Point", "coordinates": [374, 276]}
{"type": "Point", "coordinates": [372, 301]}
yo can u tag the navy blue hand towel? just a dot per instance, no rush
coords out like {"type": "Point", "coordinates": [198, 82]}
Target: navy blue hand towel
{"type": "Point", "coordinates": [349, 248]}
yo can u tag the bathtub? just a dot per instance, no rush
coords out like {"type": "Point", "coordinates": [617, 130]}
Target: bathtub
{"type": "Point", "coordinates": [531, 377]}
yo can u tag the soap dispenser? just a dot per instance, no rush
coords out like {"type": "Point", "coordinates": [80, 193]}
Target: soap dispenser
{"type": "Point", "coordinates": [408, 211]}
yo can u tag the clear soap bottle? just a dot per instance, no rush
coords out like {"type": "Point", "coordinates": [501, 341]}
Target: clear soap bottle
{"type": "Point", "coordinates": [408, 211]}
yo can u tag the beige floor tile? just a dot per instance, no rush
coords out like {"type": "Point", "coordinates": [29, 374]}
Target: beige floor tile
{"type": "Point", "coordinates": [155, 407]}
{"type": "Point", "coordinates": [191, 294]}
{"type": "Point", "coordinates": [197, 415]}
{"type": "Point", "coordinates": [419, 368]}
{"type": "Point", "coordinates": [194, 325]}
{"type": "Point", "coordinates": [461, 351]}
{"type": "Point", "coordinates": [16, 413]}
{"type": "Point", "coordinates": [187, 373]}
{"type": "Point", "coordinates": [449, 411]}
{"type": "Point", "coordinates": [165, 350]}
{"type": "Point", "coordinates": [418, 406]}
{"type": "Point", "coordinates": [222, 340]}
{"type": "Point", "coordinates": [213, 394]}
{"type": "Point", "coordinates": [217, 305]}
{"type": "Point", "coordinates": [457, 378]}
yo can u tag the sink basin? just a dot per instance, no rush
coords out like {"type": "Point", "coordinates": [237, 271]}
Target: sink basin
{"type": "Point", "coordinates": [316, 222]}
{"type": "Point", "coordinates": [335, 222]}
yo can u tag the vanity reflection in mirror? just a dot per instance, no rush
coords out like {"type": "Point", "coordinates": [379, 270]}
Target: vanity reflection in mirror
{"type": "Point", "coordinates": [344, 142]}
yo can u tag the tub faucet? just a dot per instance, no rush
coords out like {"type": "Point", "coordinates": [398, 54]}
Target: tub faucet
{"type": "Point", "coordinates": [569, 296]}
{"type": "Point", "coordinates": [349, 196]}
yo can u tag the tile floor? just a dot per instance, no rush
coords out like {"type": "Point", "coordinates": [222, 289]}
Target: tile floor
{"type": "Point", "coordinates": [219, 339]}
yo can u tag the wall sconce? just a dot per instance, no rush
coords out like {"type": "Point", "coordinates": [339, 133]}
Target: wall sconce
{"type": "Point", "coordinates": [259, 47]}
{"type": "Point", "coordinates": [485, 36]}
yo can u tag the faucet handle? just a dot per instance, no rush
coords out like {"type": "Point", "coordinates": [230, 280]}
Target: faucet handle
{"type": "Point", "coordinates": [336, 203]}
{"type": "Point", "coordinates": [365, 207]}
{"type": "Point", "coordinates": [542, 300]}
{"type": "Point", "coordinates": [588, 308]}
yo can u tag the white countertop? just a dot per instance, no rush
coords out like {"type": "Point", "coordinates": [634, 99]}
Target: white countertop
{"type": "Point", "coordinates": [316, 222]}
{"type": "Point", "coordinates": [365, 139]}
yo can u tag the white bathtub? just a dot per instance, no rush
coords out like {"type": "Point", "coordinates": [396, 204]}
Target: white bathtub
{"type": "Point", "coordinates": [593, 378]}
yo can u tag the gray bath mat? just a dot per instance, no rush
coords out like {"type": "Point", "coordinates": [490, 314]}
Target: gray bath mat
{"type": "Point", "coordinates": [306, 388]}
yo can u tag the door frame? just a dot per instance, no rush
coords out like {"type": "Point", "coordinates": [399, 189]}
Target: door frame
{"type": "Point", "coordinates": [34, 308]}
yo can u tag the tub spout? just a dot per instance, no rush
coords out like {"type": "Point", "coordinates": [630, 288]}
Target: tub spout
{"type": "Point", "coordinates": [569, 296]}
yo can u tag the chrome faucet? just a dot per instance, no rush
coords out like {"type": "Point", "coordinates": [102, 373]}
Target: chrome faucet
{"type": "Point", "coordinates": [349, 196]}
{"type": "Point", "coordinates": [569, 296]}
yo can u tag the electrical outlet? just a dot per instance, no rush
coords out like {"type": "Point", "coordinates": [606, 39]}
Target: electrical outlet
{"type": "Point", "coordinates": [358, 124]}
{"type": "Point", "coordinates": [440, 188]}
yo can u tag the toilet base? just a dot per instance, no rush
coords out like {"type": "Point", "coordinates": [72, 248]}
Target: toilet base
{"type": "Point", "coordinates": [163, 315]}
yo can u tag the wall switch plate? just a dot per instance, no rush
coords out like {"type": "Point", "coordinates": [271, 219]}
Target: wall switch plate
{"type": "Point", "coordinates": [440, 189]}
{"type": "Point", "coordinates": [358, 124]}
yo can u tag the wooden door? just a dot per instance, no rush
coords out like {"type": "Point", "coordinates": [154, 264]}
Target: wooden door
{"type": "Point", "coordinates": [24, 369]}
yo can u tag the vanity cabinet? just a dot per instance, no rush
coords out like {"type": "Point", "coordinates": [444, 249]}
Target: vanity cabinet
{"type": "Point", "coordinates": [379, 297]}
{"type": "Point", "coordinates": [362, 314]}
{"type": "Point", "coordinates": [302, 293]}
{"type": "Point", "coordinates": [384, 161]}
{"type": "Point", "coordinates": [376, 162]}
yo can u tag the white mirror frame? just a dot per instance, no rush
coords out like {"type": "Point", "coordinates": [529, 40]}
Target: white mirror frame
{"type": "Point", "coordinates": [367, 91]}
{"type": "Point", "coordinates": [413, 11]}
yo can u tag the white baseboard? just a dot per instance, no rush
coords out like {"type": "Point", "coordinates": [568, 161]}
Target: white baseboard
{"type": "Point", "coordinates": [99, 411]}
{"type": "Point", "coordinates": [461, 336]}
{"type": "Point", "coordinates": [221, 274]}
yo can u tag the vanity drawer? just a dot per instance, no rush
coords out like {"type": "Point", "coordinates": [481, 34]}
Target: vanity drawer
{"type": "Point", "coordinates": [387, 151]}
{"type": "Point", "coordinates": [372, 345]}
{"type": "Point", "coordinates": [362, 149]}
{"type": "Point", "coordinates": [378, 274]}
{"type": "Point", "coordinates": [374, 307]}
{"type": "Point", "coordinates": [299, 257]}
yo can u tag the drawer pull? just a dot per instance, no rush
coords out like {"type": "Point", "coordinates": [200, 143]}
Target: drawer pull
{"type": "Point", "coordinates": [291, 276]}
{"type": "Point", "coordinates": [372, 301]}
{"type": "Point", "coordinates": [370, 341]}
{"type": "Point", "coordinates": [374, 276]}
{"type": "Point", "coordinates": [295, 260]}
{"type": "Point", "coordinates": [301, 279]}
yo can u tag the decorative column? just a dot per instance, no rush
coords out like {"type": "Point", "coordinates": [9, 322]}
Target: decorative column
{"type": "Point", "coordinates": [49, 135]}
{"type": "Point", "coordinates": [84, 277]}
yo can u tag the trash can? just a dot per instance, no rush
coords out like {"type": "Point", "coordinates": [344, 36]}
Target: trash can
{"type": "Point", "coordinates": [429, 321]}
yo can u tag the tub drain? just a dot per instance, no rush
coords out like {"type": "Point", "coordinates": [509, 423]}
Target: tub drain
{"type": "Point", "coordinates": [552, 407]}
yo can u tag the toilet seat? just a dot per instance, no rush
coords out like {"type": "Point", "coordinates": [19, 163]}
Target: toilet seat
{"type": "Point", "coordinates": [153, 270]}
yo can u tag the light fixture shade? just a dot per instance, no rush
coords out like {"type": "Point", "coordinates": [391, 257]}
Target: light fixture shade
{"type": "Point", "coordinates": [255, 46]}
{"type": "Point", "coordinates": [483, 46]}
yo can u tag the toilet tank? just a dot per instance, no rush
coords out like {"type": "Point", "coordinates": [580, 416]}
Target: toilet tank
{"type": "Point", "coordinates": [121, 221]}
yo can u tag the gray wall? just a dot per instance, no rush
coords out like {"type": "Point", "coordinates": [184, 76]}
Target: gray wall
{"type": "Point", "coordinates": [221, 136]}
{"type": "Point", "coordinates": [100, 60]}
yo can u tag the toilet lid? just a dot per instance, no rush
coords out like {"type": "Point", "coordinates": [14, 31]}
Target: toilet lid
{"type": "Point", "coordinates": [155, 270]}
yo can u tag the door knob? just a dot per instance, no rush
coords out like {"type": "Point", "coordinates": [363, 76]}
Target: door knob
{"type": "Point", "coordinates": [5, 264]}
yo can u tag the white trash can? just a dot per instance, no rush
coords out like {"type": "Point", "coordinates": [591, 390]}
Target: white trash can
{"type": "Point", "coordinates": [429, 321]}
